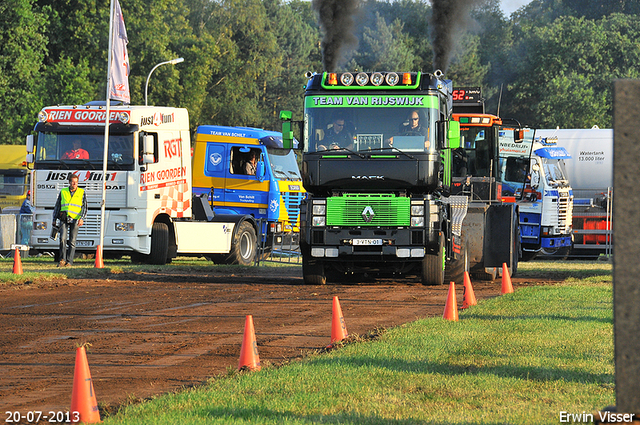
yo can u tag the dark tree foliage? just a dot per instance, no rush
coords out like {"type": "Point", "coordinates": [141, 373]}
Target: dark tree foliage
{"type": "Point", "coordinates": [551, 63]}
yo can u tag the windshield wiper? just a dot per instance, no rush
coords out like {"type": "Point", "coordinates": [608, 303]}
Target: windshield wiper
{"type": "Point", "coordinates": [280, 173]}
{"type": "Point", "coordinates": [295, 175]}
{"type": "Point", "coordinates": [343, 149]}
{"type": "Point", "coordinates": [84, 161]}
{"type": "Point", "coordinates": [395, 149]}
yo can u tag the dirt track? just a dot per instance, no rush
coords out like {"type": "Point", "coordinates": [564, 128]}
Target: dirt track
{"type": "Point", "coordinates": [157, 332]}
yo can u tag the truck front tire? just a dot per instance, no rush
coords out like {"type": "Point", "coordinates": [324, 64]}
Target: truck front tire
{"type": "Point", "coordinates": [433, 266]}
{"type": "Point", "coordinates": [313, 272]}
{"type": "Point", "coordinates": [159, 243]}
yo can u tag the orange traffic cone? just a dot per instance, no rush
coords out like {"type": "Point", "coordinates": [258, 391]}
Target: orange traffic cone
{"type": "Point", "coordinates": [338, 326]}
{"type": "Point", "coordinates": [451, 306]}
{"type": "Point", "coordinates": [83, 398]}
{"type": "Point", "coordinates": [249, 358]}
{"type": "Point", "coordinates": [17, 262]}
{"type": "Point", "coordinates": [99, 263]}
{"type": "Point", "coordinates": [506, 280]}
{"type": "Point", "coordinates": [468, 296]}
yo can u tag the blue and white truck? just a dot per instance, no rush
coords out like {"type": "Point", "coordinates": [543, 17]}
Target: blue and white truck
{"type": "Point", "coordinates": [535, 174]}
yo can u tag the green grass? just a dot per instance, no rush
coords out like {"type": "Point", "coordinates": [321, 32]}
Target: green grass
{"type": "Point", "coordinates": [565, 269]}
{"type": "Point", "coordinates": [520, 358]}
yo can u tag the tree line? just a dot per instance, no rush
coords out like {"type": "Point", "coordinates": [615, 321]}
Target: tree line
{"type": "Point", "coordinates": [551, 63]}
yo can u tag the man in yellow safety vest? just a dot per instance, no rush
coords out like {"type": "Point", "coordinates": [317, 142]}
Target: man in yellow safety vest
{"type": "Point", "coordinates": [70, 211]}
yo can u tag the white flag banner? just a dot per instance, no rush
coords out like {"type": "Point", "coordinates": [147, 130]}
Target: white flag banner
{"type": "Point", "coordinates": [119, 89]}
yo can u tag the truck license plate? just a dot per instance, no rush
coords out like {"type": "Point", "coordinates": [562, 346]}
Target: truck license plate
{"type": "Point", "coordinates": [367, 241]}
{"type": "Point", "coordinates": [84, 243]}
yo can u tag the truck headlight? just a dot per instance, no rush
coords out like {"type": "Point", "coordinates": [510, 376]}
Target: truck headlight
{"type": "Point", "coordinates": [417, 221]}
{"type": "Point", "coordinates": [319, 210]}
{"type": "Point", "coordinates": [319, 220]}
{"type": "Point", "coordinates": [124, 227]}
{"type": "Point", "coordinates": [417, 214]}
{"type": "Point", "coordinates": [39, 225]}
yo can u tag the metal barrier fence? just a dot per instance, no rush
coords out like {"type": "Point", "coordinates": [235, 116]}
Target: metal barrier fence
{"type": "Point", "coordinates": [592, 226]}
{"type": "Point", "coordinates": [15, 229]}
{"type": "Point", "coordinates": [283, 248]}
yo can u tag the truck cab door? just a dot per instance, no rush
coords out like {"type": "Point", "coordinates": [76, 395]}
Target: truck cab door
{"type": "Point", "coordinates": [246, 192]}
{"type": "Point", "coordinates": [216, 170]}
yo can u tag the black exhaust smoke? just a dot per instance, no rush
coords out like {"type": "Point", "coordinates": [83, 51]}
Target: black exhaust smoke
{"type": "Point", "coordinates": [337, 23]}
{"type": "Point", "coordinates": [448, 16]}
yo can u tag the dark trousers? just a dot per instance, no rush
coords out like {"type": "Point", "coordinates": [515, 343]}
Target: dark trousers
{"type": "Point", "coordinates": [68, 235]}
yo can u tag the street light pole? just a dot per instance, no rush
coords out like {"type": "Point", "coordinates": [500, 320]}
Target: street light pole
{"type": "Point", "coordinates": [146, 86]}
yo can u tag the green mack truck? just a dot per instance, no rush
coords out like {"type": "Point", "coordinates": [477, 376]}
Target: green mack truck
{"type": "Point", "coordinates": [377, 155]}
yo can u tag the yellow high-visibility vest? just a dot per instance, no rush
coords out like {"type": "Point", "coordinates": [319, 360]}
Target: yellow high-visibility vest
{"type": "Point", "coordinates": [72, 204]}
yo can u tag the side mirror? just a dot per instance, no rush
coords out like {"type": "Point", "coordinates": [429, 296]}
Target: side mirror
{"type": "Point", "coordinates": [30, 142]}
{"type": "Point", "coordinates": [148, 156]}
{"type": "Point", "coordinates": [287, 132]}
{"type": "Point", "coordinates": [453, 134]}
{"type": "Point", "coordinates": [260, 170]}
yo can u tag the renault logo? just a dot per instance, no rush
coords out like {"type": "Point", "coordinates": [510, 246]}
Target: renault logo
{"type": "Point", "coordinates": [368, 214]}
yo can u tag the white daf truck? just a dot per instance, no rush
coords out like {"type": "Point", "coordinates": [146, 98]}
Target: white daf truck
{"type": "Point", "coordinates": [150, 212]}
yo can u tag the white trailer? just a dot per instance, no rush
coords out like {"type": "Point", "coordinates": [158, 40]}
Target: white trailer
{"type": "Point", "coordinates": [591, 175]}
{"type": "Point", "coordinates": [150, 212]}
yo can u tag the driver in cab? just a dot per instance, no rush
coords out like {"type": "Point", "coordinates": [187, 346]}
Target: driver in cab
{"type": "Point", "coordinates": [412, 127]}
{"type": "Point", "coordinates": [337, 137]}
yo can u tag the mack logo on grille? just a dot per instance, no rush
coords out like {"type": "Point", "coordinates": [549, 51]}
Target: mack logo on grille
{"type": "Point", "coordinates": [367, 177]}
{"type": "Point", "coordinates": [368, 214]}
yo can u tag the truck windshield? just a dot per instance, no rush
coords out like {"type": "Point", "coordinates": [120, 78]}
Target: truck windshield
{"type": "Point", "coordinates": [514, 168]}
{"type": "Point", "coordinates": [473, 158]}
{"type": "Point", "coordinates": [283, 163]}
{"type": "Point", "coordinates": [357, 126]}
{"type": "Point", "coordinates": [83, 151]}
{"type": "Point", "coordinates": [12, 183]}
{"type": "Point", "coordinates": [555, 172]}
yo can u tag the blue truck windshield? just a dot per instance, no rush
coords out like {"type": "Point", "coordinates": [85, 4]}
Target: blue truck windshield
{"type": "Point", "coordinates": [283, 163]}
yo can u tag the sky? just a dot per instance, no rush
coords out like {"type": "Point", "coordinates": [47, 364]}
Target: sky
{"type": "Point", "coordinates": [510, 6]}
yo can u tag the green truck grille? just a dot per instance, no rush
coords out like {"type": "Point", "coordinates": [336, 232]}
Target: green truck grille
{"type": "Point", "coordinates": [368, 210]}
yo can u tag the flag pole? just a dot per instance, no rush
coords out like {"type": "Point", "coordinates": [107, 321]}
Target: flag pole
{"type": "Point", "coordinates": [106, 132]}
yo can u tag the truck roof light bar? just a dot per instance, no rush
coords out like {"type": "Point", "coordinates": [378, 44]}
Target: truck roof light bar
{"type": "Point", "coordinates": [370, 80]}
{"type": "Point", "coordinates": [362, 79]}
{"type": "Point", "coordinates": [346, 79]}
{"type": "Point", "coordinates": [377, 79]}
{"type": "Point", "coordinates": [392, 78]}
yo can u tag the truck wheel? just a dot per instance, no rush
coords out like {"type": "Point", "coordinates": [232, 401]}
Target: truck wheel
{"type": "Point", "coordinates": [433, 266]}
{"type": "Point", "coordinates": [454, 271]}
{"type": "Point", "coordinates": [313, 271]}
{"type": "Point", "coordinates": [159, 243]}
{"type": "Point", "coordinates": [244, 245]}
